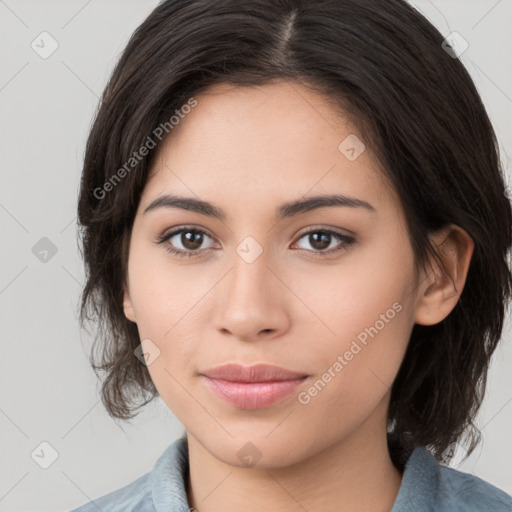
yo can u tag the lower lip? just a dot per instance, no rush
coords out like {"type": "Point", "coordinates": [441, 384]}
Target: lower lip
{"type": "Point", "coordinates": [253, 395]}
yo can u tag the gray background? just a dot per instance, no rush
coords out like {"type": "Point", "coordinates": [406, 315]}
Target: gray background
{"type": "Point", "coordinates": [48, 392]}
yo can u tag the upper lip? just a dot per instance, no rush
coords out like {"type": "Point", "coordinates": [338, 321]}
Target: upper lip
{"type": "Point", "coordinates": [257, 373]}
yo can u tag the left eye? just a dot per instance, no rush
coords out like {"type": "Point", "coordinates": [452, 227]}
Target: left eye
{"type": "Point", "coordinates": [191, 240]}
{"type": "Point", "coordinates": [320, 240]}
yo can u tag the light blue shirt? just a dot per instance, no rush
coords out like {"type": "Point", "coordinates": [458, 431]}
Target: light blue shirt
{"type": "Point", "coordinates": [426, 486]}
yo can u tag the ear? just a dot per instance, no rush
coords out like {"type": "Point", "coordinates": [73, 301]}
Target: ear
{"type": "Point", "coordinates": [128, 306]}
{"type": "Point", "coordinates": [443, 281]}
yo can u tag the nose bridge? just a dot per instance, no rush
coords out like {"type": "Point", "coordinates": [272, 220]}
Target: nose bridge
{"type": "Point", "coordinates": [250, 276]}
{"type": "Point", "coordinates": [249, 301]}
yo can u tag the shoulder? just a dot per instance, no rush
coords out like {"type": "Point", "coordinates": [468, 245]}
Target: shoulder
{"type": "Point", "coordinates": [427, 485]}
{"type": "Point", "coordinates": [135, 496]}
{"type": "Point", "coordinates": [466, 492]}
{"type": "Point", "coordinates": [163, 488]}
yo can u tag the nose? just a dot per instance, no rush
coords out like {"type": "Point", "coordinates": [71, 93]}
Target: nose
{"type": "Point", "coordinates": [251, 301]}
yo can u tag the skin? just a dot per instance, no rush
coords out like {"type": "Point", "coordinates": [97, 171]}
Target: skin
{"type": "Point", "coordinates": [247, 150]}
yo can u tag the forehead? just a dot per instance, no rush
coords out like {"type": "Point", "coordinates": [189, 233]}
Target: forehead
{"type": "Point", "coordinates": [276, 140]}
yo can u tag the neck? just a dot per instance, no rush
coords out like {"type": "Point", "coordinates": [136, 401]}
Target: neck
{"type": "Point", "coordinates": [355, 472]}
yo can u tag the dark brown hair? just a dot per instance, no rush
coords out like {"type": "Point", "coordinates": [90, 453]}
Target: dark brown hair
{"type": "Point", "coordinates": [417, 109]}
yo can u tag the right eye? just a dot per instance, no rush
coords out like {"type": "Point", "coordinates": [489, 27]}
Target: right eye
{"type": "Point", "coordinates": [189, 238]}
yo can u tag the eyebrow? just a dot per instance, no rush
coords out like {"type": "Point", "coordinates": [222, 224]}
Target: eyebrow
{"type": "Point", "coordinates": [289, 209]}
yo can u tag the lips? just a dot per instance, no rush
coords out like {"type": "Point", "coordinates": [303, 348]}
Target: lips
{"type": "Point", "coordinates": [252, 387]}
{"type": "Point", "coordinates": [256, 373]}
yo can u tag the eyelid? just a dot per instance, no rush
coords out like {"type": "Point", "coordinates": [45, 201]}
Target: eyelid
{"type": "Point", "coordinates": [320, 227]}
{"type": "Point", "coordinates": [326, 227]}
{"type": "Point", "coordinates": [178, 229]}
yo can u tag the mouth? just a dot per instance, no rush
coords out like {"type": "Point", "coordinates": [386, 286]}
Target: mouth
{"type": "Point", "coordinates": [252, 387]}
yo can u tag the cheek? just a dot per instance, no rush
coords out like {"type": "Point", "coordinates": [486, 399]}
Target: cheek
{"type": "Point", "coordinates": [354, 373]}
{"type": "Point", "coordinates": [367, 287]}
{"type": "Point", "coordinates": [162, 291]}
{"type": "Point", "coordinates": [166, 302]}
{"type": "Point", "coordinates": [366, 312]}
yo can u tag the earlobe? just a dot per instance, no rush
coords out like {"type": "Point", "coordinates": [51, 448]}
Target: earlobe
{"type": "Point", "coordinates": [442, 283]}
{"type": "Point", "coordinates": [128, 306]}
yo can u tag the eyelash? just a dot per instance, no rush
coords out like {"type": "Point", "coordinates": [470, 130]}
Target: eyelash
{"type": "Point", "coordinates": [346, 241]}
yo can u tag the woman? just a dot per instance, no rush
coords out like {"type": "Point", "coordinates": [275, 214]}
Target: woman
{"type": "Point", "coordinates": [296, 233]}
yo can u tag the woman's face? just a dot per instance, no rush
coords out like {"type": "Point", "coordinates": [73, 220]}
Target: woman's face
{"type": "Point", "coordinates": [328, 293]}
